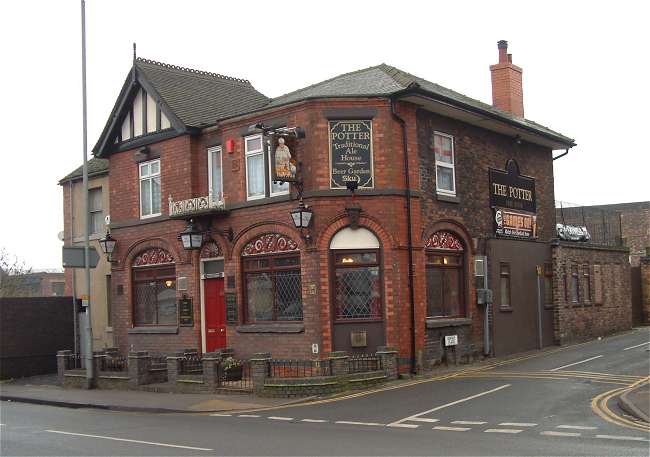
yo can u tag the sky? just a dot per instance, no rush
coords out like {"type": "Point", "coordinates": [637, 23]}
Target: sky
{"type": "Point", "coordinates": [585, 65]}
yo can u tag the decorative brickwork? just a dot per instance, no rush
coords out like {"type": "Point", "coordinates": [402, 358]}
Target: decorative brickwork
{"type": "Point", "coordinates": [210, 250]}
{"type": "Point", "coordinates": [153, 256]}
{"type": "Point", "coordinates": [270, 243]}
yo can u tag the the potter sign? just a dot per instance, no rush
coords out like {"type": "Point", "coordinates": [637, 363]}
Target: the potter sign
{"type": "Point", "coordinates": [514, 224]}
{"type": "Point", "coordinates": [351, 154]}
{"type": "Point", "coordinates": [572, 232]}
{"type": "Point", "coordinates": [509, 189]}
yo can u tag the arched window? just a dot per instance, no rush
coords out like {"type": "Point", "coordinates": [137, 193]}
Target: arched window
{"type": "Point", "coordinates": [154, 288]}
{"type": "Point", "coordinates": [445, 266]}
{"type": "Point", "coordinates": [357, 275]}
{"type": "Point", "coordinates": [271, 272]}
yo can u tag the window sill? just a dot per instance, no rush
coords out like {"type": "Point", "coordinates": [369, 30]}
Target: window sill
{"type": "Point", "coordinates": [271, 328]}
{"type": "Point", "coordinates": [433, 322]}
{"type": "Point", "coordinates": [153, 329]}
{"type": "Point", "coordinates": [447, 198]}
{"type": "Point", "coordinates": [506, 309]}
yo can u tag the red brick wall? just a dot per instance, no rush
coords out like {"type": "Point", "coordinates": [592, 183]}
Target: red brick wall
{"type": "Point", "coordinates": [590, 317]}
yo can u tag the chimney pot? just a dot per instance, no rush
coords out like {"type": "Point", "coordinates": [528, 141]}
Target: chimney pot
{"type": "Point", "coordinates": [503, 51]}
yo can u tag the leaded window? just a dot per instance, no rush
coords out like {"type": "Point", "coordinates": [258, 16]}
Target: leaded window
{"type": "Point", "coordinates": [273, 288]}
{"type": "Point", "coordinates": [154, 295]}
{"type": "Point", "coordinates": [357, 285]}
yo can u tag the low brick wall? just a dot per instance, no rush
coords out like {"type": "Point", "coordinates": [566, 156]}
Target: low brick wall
{"type": "Point", "coordinates": [602, 303]}
{"type": "Point", "coordinates": [435, 352]}
{"type": "Point", "coordinates": [320, 385]}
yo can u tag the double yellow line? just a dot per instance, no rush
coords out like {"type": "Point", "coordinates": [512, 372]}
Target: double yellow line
{"type": "Point", "coordinates": [599, 406]}
{"type": "Point", "coordinates": [606, 378]}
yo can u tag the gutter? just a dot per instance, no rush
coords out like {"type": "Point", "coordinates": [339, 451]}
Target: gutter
{"type": "Point", "coordinates": [407, 179]}
{"type": "Point", "coordinates": [566, 151]}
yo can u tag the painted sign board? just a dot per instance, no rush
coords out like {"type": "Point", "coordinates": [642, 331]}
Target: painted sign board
{"type": "Point", "coordinates": [284, 161]}
{"type": "Point", "coordinates": [514, 224]}
{"type": "Point", "coordinates": [509, 189]}
{"type": "Point", "coordinates": [231, 308]}
{"type": "Point", "coordinates": [351, 154]}
{"type": "Point", "coordinates": [186, 311]}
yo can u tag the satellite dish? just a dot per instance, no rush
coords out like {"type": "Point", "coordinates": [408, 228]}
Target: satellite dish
{"type": "Point", "coordinates": [107, 219]}
{"type": "Point", "coordinates": [60, 235]}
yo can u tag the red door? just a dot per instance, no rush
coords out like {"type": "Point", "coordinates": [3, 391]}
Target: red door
{"type": "Point", "coordinates": [215, 315]}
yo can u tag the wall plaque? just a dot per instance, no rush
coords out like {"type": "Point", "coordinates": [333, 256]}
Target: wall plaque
{"type": "Point", "coordinates": [186, 312]}
{"type": "Point", "coordinates": [351, 154]}
{"type": "Point", "coordinates": [509, 189]}
{"type": "Point", "coordinates": [231, 308]}
{"type": "Point", "coordinates": [515, 224]}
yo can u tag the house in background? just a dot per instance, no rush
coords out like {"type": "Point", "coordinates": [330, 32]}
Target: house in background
{"type": "Point", "coordinates": [32, 284]}
{"type": "Point", "coordinates": [73, 223]}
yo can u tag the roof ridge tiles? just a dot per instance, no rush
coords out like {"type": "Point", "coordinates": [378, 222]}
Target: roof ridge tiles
{"type": "Point", "coordinates": [192, 70]}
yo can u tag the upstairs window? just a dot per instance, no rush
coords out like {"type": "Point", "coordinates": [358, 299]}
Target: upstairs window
{"type": "Point", "coordinates": [96, 215]}
{"type": "Point", "coordinates": [257, 167]}
{"type": "Point", "coordinates": [443, 147]}
{"type": "Point", "coordinates": [150, 189]}
{"type": "Point", "coordinates": [215, 174]}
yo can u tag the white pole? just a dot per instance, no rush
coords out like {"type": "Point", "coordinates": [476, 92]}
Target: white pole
{"type": "Point", "coordinates": [90, 375]}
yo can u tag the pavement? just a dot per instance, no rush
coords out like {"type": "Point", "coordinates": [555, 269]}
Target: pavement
{"type": "Point", "coordinates": [637, 402]}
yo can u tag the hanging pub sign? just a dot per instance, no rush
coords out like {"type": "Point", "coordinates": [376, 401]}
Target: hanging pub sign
{"type": "Point", "coordinates": [351, 154]}
{"type": "Point", "coordinates": [508, 223]}
{"type": "Point", "coordinates": [284, 163]}
{"type": "Point", "coordinates": [510, 189]}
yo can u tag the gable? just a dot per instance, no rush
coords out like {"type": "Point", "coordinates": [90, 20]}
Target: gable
{"type": "Point", "coordinates": [141, 116]}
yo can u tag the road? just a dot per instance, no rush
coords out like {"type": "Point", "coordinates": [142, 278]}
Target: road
{"type": "Point", "coordinates": [559, 402]}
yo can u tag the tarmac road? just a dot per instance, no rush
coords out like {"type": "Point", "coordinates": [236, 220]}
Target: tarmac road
{"type": "Point", "coordinates": [555, 403]}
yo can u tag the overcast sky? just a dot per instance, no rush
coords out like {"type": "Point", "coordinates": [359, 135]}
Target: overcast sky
{"type": "Point", "coordinates": [586, 73]}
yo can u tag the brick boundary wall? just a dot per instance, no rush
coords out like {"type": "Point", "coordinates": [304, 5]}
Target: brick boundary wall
{"type": "Point", "coordinates": [601, 309]}
{"type": "Point", "coordinates": [645, 287]}
{"type": "Point", "coordinates": [32, 329]}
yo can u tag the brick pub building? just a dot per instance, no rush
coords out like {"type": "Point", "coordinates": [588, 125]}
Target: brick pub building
{"type": "Point", "coordinates": [433, 169]}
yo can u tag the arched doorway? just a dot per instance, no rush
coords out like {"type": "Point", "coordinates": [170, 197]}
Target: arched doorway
{"type": "Point", "coordinates": [357, 291]}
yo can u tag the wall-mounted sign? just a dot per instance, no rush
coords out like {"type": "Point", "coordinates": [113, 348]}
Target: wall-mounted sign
{"type": "Point", "coordinates": [509, 223]}
{"type": "Point", "coordinates": [572, 232]}
{"type": "Point", "coordinates": [509, 189]}
{"type": "Point", "coordinates": [231, 308]}
{"type": "Point", "coordinates": [351, 154]}
{"type": "Point", "coordinates": [186, 312]}
{"type": "Point", "coordinates": [284, 163]}
{"type": "Point", "coordinates": [451, 340]}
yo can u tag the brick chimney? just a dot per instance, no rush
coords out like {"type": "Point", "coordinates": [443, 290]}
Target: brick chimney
{"type": "Point", "coordinates": [507, 90]}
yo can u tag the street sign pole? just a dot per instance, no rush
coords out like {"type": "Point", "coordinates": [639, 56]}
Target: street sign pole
{"type": "Point", "coordinates": [90, 375]}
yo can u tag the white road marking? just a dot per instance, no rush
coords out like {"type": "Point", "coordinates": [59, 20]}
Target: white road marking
{"type": "Point", "coordinates": [502, 430]}
{"type": "Point", "coordinates": [424, 419]}
{"type": "Point", "coordinates": [248, 415]}
{"type": "Point", "coordinates": [576, 363]}
{"type": "Point", "coordinates": [518, 424]}
{"type": "Point", "coordinates": [152, 443]}
{"type": "Point", "coordinates": [315, 421]}
{"type": "Point", "coordinates": [360, 423]}
{"type": "Point", "coordinates": [631, 438]}
{"type": "Point", "coordinates": [462, 400]}
{"type": "Point", "coordinates": [451, 429]}
{"type": "Point", "coordinates": [552, 433]}
{"type": "Point", "coordinates": [279, 418]}
{"type": "Point", "coordinates": [469, 422]}
{"type": "Point", "coordinates": [221, 415]}
{"type": "Point", "coordinates": [638, 345]}
{"type": "Point", "coordinates": [577, 427]}
{"type": "Point", "coordinates": [403, 425]}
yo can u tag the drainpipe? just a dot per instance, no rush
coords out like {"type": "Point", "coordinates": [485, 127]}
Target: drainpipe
{"type": "Point", "coordinates": [566, 151]}
{"type": "Point", "coordinates": [409, 229]}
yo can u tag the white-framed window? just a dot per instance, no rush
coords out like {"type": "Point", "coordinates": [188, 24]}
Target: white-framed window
{"type": "Point", "coordinates": [215, 174]}
{"type": "Point", "coordinates": [150, 189]}
{"type": "Point", "coordinates": [254, 151]}
{"type": "Point", "coordinates": [443, 147]}
{"type": "Point", "coordinates": [96, 215]}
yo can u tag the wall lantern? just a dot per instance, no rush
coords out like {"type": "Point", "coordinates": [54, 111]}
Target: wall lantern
{"type": "Point", "coordinates": [191, 237]}
{"type": "Point", "coordinates": [302, 216]}
{"type": "Point", "coordinates": [107, 243]}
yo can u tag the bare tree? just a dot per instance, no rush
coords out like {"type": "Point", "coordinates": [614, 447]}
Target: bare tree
{"type": "Point", "coordinates": [12, 275]}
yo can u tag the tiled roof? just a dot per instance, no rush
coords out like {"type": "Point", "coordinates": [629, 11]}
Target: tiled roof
{"type": "Point", "coordinates": [385, 80]}
{"type": "Point", "coordinates": [200, 98]}
{"type": "Point", "coordinates": [95, 167]}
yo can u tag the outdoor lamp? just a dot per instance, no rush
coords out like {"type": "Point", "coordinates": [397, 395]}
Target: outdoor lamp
{"type": "Point", "coordinates": [107, 243]}
{"type": "Point", "coordinates": [301, 215]}
{"type": "Point", "coordinates": [191, 237]}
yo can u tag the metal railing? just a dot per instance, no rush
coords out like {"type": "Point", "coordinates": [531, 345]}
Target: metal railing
{"type": "Point", "coordinates": [74, 362]}
{"type": "Point", "coordinates": [114, 363]}
{"type": "Point", "coordinates": [363, 363]}
{"type": "Point", "coordinates": [191, 364]}
{"type": "Point", "coordinates": [158, 362]}
{"type": "Point", "coordinates": [299, 368]}
{"type": "Point", "coordinates": [195, 205]}
{"type": "Point", "coordinates": [603, 225]}
{"type": "Point", "coordinates": [235, 375]}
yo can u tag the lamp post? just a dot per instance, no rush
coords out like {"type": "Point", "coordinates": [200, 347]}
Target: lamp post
{"type": "Point", "coordinates": [191, 237]}
{"type": "Point", "coordinates": [107, 243]}
{"type": "Point", "coordinates": [302, 216]}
